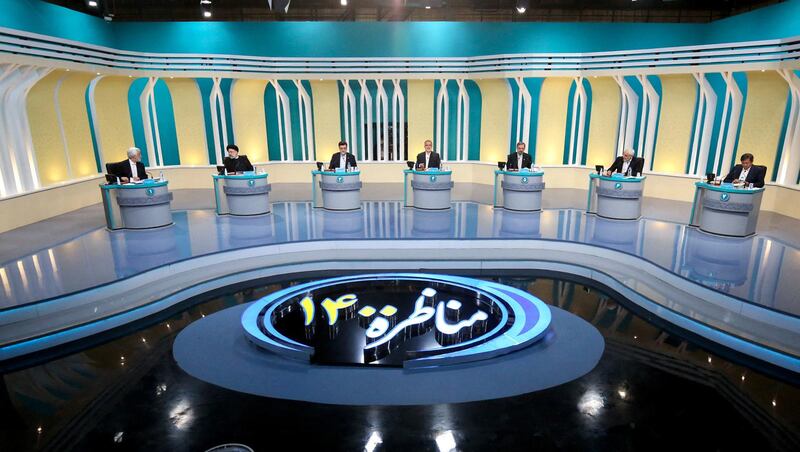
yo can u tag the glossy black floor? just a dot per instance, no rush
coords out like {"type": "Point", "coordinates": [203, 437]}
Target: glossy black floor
{"type": "Point", "coordinates": [653, 390]}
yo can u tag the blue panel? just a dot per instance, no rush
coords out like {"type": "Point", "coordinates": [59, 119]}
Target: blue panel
{"type": "Point", "coordinates": [585, 138]}
{"type": "Point", "coordinates": [294, 113]}
{"type": "Point", "coordinates": [96, 149]}
{"type": "Point", "coordinates": [452, 119]}
{"type": "Point", "coordinates": [307, 86]}
{"type": "Point", "coordinates": [741, 81]}
{"type": "Point", "coordinates": [225, 87]}
{"type": "Point", "coordinates": [355, 148]}
{"type": "Point", "coordinates": [135, 109]}
{"type": "Point", "coordinates": [636, 86]}
{"type": "Point", "coordinates": [534, 86]}
{"type": "Point", "coordinates": [568, 126]}
{"type": "Point", "coordinates": [718, 85]}
{"type": "Point", "coordinates": [166, 124]}
{"type": "Point", "coordinates": [205, 85]}
{"type": "Point", "coordinates": [271, 117]}
{"type": "Point", "coordinates": [515, 113]}
{"type": "Point", "coordinates": [655, 81]}
{"type": "Point", "coordinates": [784, 127]}
{"type": "Point", "coordinates": [475, 108]}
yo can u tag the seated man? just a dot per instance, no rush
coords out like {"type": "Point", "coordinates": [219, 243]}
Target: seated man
{"type": "Point", "coordinates": [746, 172]}
{"type": "Point", "coordinates": [518, 160]}
{"type": "Point", "coordinates": [131, 169]}
{"type": "Point", "coordinates": [342, 159]}
{"type": "Point", "coordinates": [627, 164]}
{"type": "Point", "coordinates": [235, 163]}
{"type": "Point", "coordinates": [428, 158]}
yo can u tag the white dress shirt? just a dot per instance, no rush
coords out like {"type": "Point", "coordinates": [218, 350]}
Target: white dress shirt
{"type": "Point", "coordinates": [427, 158]}
{"type": "Point", "coordinates": [743, 175]}
{"type": "Point", "coordinates": [134, 173]}
{"type": "Point", "coordinates": [625, 165]}
{"type": "Point", "coordinates": [342, 161]}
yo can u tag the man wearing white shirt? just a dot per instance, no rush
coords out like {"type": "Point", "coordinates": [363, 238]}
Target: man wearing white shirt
{"type": "Point", "coordinates": [342, 159]}
{"type": "Point", "coordinates": [428, 158]}
{"type": "Point", "coordinates": [746, 172]}
{"type": "Point", "coordinates": [130, 170]}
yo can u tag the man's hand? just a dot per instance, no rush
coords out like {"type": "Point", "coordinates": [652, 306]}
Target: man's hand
{"type": "Point", "coordinates": [136, 179]}
{"type": "Point", "coordinates": [608, 173]}
{"type": "Point", "coordinates": [124, 180]}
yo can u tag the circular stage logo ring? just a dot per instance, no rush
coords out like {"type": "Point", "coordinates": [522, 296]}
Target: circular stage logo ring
{"type": "Point", "coordinates": [458, 319]}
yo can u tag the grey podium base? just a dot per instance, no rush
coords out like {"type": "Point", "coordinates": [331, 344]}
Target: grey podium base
{"type": "Point", "coordinates": [717, 234]}
{"type": "Point", "coordinates": [146, 228]}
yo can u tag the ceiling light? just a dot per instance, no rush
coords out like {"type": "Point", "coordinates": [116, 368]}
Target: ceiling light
{"type": "Point", "coordinates": [522, 6]}
{"type": "Point", "coordinates": [343, 2]}
{"type": "Point", "coordinates": [92, 3]}
{"type": "Point", "coordinates": [205, 2]}
{"type": "Point", "coordinates": [428, 7]}
{"type": "Point", "coordinates": [206, 14]}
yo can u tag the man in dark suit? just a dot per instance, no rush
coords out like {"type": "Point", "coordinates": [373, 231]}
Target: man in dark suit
{"type": "Point", "coordinates": [428, 159]}
{"type": "Point", "coordinates": [747, 172]}
{"type": "Point", "coordinates": [131, 169]}
{"type": "Point", "coordinates": [518, 160]}
{"type": "Point", "coordinates": [627, 164]}
{"type": "Point", "coordinates": [342, 159]}
{"type": "Point", "coordinates": [235, 163]}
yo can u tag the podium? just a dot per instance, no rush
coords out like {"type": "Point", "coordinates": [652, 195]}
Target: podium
{"type": "Point", "coordinates": [521, 190]}
{"type": "Point", "coordinates": [137, 206]}
{"type": "Point", "coordinates": [615, 197]}
{"type": "Point", "coordinates": [338, 190]}
{"type": "Point", "coordinates": [431, 189]}
{"type": "Point", "coordinates": [242, 194]}
{"type": "Point", "coordinates": [725, 209]}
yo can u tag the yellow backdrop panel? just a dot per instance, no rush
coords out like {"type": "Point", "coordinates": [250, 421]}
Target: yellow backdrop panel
{"type": "Point", "coordinates": [678, 97]}
{"type": "Point", "coordinates": [420, 115]}
{"type": "Point", "coordinates": [604, 125]}
{"type": "Point", "coordinates": [46, 131]}
{"type": "Point", "coordinates": [327, 124]}
{"type": "Point", "coordinates": [767, 93]}
{"type": "Point", "coordinates": [113, 121]}
{"type": "Point", "coordinates": [72, 101]}
{"type": "Point", "coordinates": [495, 118]}
{"type": "Point", "coordinates": [551, 129]}
{"type": "Point", "coordinates": [189, 122]}
{"type": "Point", "coordinates": [249, 123]}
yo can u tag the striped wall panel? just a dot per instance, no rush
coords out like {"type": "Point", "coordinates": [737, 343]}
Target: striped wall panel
{"type": "Point", "coordinates": [495, 117]}
{"type": "Point", "coordinates": [678, 105]}
{"type": "Point", "coordinates": [77, 131]}
{"type": "Point", "coordinates": [189, 122]}
{"type": "Point", "coordinates": [552, 127]}
{"type": "Point", "coordinates": [108, 98]}
{"type": "Point", "coordinates": [764, 113]}
{"type": "Point", "coordinates": [420, 115]}
{"type": "Point", "coordinates": [248, 114]}
{"type": "Point", "coordinates": [327, 120]}
{"type": "Point", "coordinates": [48, 143]}
{"type": "Point", "coordinates": [604, 127]}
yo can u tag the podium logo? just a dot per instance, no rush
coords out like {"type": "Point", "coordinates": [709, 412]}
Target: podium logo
{"type": "Point", "coordinates": [524, 180]}
{"type": "Point", "coordinates": [408, 320]}
{"type": "Point", "coordinates": [150, 192]}
{"type": "Point", "coordinates": [618, 186]}
{"type": "Point", "coordinates": [433, 178]}
{"type": "Point", "coordinates": [251, 182]}
{"type": "Point", "coordinates": [724, 197]}
{"type": "Point", "coordinates": [339, 179]}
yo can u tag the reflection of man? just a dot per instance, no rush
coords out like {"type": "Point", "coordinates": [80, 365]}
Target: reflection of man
{"type": "Point", "coordinates": [518, 160]}
{"type": "Point", "coordinates": [131, 169]}
{"type": "Point", "coordinates": [627, 164]}
{"type": "Point", "coordinates": [342, 159]}
{"type": "Point", "coordinates": [428, 159]}
{"type": "Point", "coordinates": [235, 163]}
{"type": "Point", "coordinates": [746, 172]}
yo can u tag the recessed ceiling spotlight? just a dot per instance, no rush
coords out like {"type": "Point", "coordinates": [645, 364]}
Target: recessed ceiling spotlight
{"type": "Point", "coordinates": [522, 6]}
{"type": "Point", "coordinates": [206, 14]}
{"type": "Point", "coordinates": [205, 2]}
{"type": "Point", "coordinates": [92, 3]}
{"type": "Point", "coordinates": [427, 6]}
{"type": "Point", "coordinates": [343, 2]}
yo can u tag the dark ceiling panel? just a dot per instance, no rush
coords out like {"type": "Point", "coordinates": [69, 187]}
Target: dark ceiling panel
{"type": "Point", "coordinates": [408, 10]}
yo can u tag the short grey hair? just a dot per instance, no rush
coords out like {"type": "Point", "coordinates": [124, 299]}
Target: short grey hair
{"type": "Point", "coordinates": [133, 151]}
{"type": "Point", "coordinates": [628, 151]}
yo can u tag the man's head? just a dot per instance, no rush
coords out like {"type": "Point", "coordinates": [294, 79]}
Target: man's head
{"type": "Point", "coordinates": [233, 151]}
{"type": "Point", "coordinates": [428, 146]}
{"type": "Point", "coordinates": [627, 154]}
{"type": "Point", "coordinates": [343, 147]}
{"type": "Point", "coordinates": [747, 160]}
{"type": "Point", "coordinates": [135, 155]}
{"type": "Point", "coordinates": [520, 147]}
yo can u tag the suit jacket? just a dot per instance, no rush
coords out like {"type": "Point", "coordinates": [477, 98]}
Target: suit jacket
{"type": "Point", "coordinates": [511, 161]}
{"type": "Point", "coordinates": [237, 165]}
{"type": "Point", "coordinates": [351, 161]}
{"type": "Point", "coordinates": [755, 176]}
{"type": "Point", "coordinates": [123, 169]}
{"type": "Point", "coordinates": [434, 161]}
{"type": "Point", "coordinates": [636, 166]}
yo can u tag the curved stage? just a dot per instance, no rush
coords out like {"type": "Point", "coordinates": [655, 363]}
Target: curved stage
{"type": "Point", "coordinates": [214, 349]}
{"type": "Point", "coordinates": [727, 290]}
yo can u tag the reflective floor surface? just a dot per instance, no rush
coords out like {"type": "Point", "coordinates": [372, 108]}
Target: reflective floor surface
{"type": "Point", "coordinates": [757, 269]}
{"type": "Point", "coordinates": [652, 390]}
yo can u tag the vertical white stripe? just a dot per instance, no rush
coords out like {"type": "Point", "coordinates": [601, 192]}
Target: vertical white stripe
{"type": "Point", "coordinates": [60, 120]}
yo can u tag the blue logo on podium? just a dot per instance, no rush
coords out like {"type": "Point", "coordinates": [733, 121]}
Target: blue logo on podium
{"type": "Point", "coordinates": [524, 180]}
{"type": "Point", "coordinates": [724, 197]}
{"type": "Point", "coordinates": [251, 182]}
{"type": "Point", "coordinates": [339, 180]}
{"type": "Point", "coordinates": [433, 178]}
{"type": "Point", "coordinates": [618, 186]}
{"type": "Point", "coordinates": [150, 192]}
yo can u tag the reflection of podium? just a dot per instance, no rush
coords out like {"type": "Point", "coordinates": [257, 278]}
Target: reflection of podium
{"type": "Point", "coordinates": [242, 194]}
{"type": "Point", "coordinates": [137, 206]}
{"type": "Point", "coordinates": [613, 234]}
{"type": "Point", "coordinates": [616, 196]}
{"type": "Point", "coordinates": [720, 262]}
{"type": "Point", "coordinates": [430, 224]}
{"type": "Point", "coordinates": [339, 190]}
{"type": "Point", "coordinates": [342, 224]}
{"type": "Point", "coordinates": [137, 251]}
{"type": "Point", "coordinates": [521, 190]}
{"type": "Point", "coordinates": [431, 189]}
{"type": "Point", "coordinates": [726, 210]}
{"type": "Point", "coordinates": [523, 225]}
{"type": "Point", "coordinates": [245, 232]}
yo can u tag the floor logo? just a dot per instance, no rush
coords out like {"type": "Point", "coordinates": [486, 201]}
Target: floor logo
{"type": "Point", "coordinates": [409, 320]}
